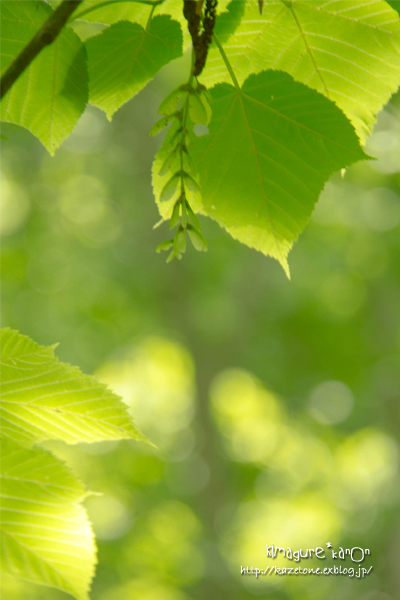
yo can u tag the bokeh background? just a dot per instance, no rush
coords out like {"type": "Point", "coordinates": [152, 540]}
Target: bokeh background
{"type": "Point", "coordinates": [274, 404]}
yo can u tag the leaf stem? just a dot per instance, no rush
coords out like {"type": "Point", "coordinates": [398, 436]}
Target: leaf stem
{"type": "Point", "coordinates": [227, 63]}
{"type": "Point", "coordinates": [151, 16]}
{"type": "Point", "coordinates": [184, 116]}
{"type": "Point", "coordinates": [44, 37]}
{"type": "Point", "coordinates": [153, 3]}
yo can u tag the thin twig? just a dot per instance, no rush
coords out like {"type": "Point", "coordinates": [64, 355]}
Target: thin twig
{"type": "Point", "coordinates": [45, 36]}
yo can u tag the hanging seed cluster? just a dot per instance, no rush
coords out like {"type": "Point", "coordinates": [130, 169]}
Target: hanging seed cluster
{"type": "Point", "coordinates": [183, 108]}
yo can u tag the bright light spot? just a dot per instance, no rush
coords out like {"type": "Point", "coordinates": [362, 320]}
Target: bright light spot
{"type": "Point", "coordinates": [87, 134]}
{"type": "Point", "coordinates": [368, 255]}
{"type": "Point", "coordinates": [331, 402]}
{"type": "Point", "coordinates": [342, 294]}
{"type": "Point", "coordinates": [300, 458]}
{"type": "Point", "coordinates": [339, 205]}
{"type": "Point", "coordinates": [87, 211]}
{"type": "Point", "coordinates": [166, 543]}
{"type": "Point", "coordinates": [385, 146]}
{"type": "Point", "coordinates": [173, 522]}
{"type": "Point", "coordinates": [100, 448]}
{"type": "Point", "coordinates": [366, 467]}
{"type": "Point", "coordinates": [188, 477]}
{"type": "Point", "coordinates": [48, 272]}
{"type": "Point", "coordinates": [143, 588]}
{"type": "Point", "coordinates": [248, 415]}
{"type": "Point", "coordinates": [155, 378]}
{"type": "Point", "coordinates": [110, 518]}
{"type": "Point", "coordinates": [14, 207]}
{"type": "Point", "coordinates": [381, 209]}
{"type": "Point", "coordinates": [200, 130]}
{"type": "Point", "coordinates": [302, 522]}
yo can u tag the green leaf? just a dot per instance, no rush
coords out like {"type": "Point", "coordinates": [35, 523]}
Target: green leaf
{"type": "Point", "coordinates": [349, 50]}
{"type": "Point", "coordinates": [125, 57]}
{"type": "Point", "coordinates": [46, 537]}
{"type": "Point", "coordinates": [44, 399]}
{"type": "Point", "coordinates": [52, 93]}
{"type": "Point", "coordinates": [272, 146]}
{"type": "Point", "coordinates": [394, 4]}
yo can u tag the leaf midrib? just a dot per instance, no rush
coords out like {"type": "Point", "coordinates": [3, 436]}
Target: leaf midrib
{"type": "Point", "coordinates": [255, 152]}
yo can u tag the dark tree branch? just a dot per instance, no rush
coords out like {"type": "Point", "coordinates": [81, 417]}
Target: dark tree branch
{"type": "Point", "coordinates": [45, 36]}
{"type": "Point", "coordinates": [201, 40]}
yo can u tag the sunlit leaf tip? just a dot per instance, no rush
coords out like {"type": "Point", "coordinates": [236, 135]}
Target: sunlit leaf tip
{"type": "Point", "coordinates": [63, 404]}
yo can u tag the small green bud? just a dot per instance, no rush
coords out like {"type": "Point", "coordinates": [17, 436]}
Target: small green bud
{"type": "Point", "coordinates": [169, 104]}
{"type": "Point", "coordinates": [193, 217]}
{"type": "Point", "coordinates": [175, 217]}
{"type": "Point", "coordinates": [161, 123]}
{"type": "Point", "coordinates": [165, 245]}
{"type": "Point", "coordinates": [191, 183]}
{"type": "Point", "coordinates": [180, 241]}
{"type": "Point", "coordinates": [197, 239]}
{"type": "Point", "coordinates": [171, 256]}
{"type": "Point", "coordinates": [170, 187]}
{"type": "Point", "coordinates": [169, 161]}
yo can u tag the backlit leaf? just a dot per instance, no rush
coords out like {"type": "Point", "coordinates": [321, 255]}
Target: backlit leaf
{"type": "Point", "coordinates": [272, 146]}
{"type": "Point", "coordinates": [45, 533]}
{"type": "Point", "coordinates": [349, 50]}
{"type": "Point", "coordinates": [44, 399]}
{"type": "Point", "coordinates": [125, 57]}
{"type": "Point", "coordinates": [49, 97]}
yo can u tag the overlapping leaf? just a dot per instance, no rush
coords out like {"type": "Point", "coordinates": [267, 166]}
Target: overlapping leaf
{"type": "Point", "coordinates": [348, 50]}
{"type": "Point", "coordinates": [394, 4]}
{"type": "Point", "coordinates": [138, 12]}
{"type": "Point", "coordinates": [125, 57]}
{"type": "Point", "coordinates": [45, 534]}
{"type": "Point", "coordinates": [272, 146]}
{"type": "Point", "coordinates": [112, 12]}
{"type": "Point", "coordinates": [45, 399]}
{"type": "Point", "coordinates": [52, 93]}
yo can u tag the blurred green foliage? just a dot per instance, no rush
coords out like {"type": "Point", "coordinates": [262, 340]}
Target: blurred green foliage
{"type": "Point", "coordinates": [273, 404]}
